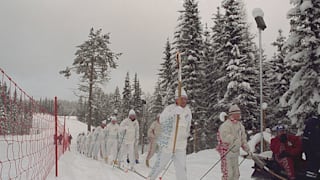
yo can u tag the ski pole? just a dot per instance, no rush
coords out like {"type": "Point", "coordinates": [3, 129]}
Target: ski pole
{"type": "Point", "coordinates": [166, 169]}
{"type": "Point", "coordinates": [214, 165]}
{"type": "Point", "coordinates": [241, 161]}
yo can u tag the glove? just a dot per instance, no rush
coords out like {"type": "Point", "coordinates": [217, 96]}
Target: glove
{"type": "Point", "coordinates": [284, 154]}
{"type": "Point", "coordinates": [283, 138]}
{"type": "Point", "coordinates": [179, 110]}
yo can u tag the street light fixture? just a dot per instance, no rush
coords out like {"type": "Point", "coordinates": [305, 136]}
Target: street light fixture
{"type": "Point", "coordinates": [258, 16]}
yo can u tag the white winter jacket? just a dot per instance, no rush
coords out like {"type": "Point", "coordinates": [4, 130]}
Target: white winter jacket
{"type": "Point", "coordinates": [130, 129]}
{"type": "Point", "coordinates": [113, 131]}
{"type": "Point", "coordinates": [168, 119]}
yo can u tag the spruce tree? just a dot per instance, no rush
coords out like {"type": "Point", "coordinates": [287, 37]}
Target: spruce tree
{"type": "Point", "coordinates": [156, 103]}
{"type": "Point", "coordinates": [277, 81]}
{"type": "Point", "coordinates": [126, 97]}
{"type": "Point", "coordinates": [137, 103]}
{"type": "Point", "coordinates": [166, 75]}
{"type": "Point", "coordinates": [116, 102]}
{"type": "Point", "coordinates": [188, 41]}
{"type": "Point", "coordinates": [303, 59]}
{"type": "Point", "coordinates": [214, 70]}
{"type": "Point", "coordinates": [239, 68]}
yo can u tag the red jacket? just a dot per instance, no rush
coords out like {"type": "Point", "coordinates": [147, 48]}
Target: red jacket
{"type": "Point", "coordinates": [293, 146]}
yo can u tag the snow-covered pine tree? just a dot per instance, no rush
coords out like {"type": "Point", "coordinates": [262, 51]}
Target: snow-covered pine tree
{"type": "Point", "coordinates": [93, 60]}
{"type": "Point", "coordinates": [156, 103]}
{"type": "Point", "coordinates": [136, 100]}
{"type": "Point", "coordinates": [277, 82]}
{"type": "Point", "coordinates": [116, 102]}
{"type": "Point", "coordinates": [166, 76]}
{"type": "Point", "coordinates": [137, 105]}
{"type": "Point", "coordinates": [213, 72]}
{"type": "Point", "coordinates": [126, 98]}
{"type": "Point", "coordinates": [240, 70]}
{"type": "Point", "coordinates": [208, 134]}
{"type": "Point", "coordinates": [188, 41]}
{"type": "Point", "coordinates": [303, 57]}
{"type": "Point", "coordinates": [101, 106]}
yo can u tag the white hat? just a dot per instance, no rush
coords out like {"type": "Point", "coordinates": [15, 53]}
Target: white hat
{"type": "Point", "coordinates": [113, 118]}
{"type": "Point", "coordinates": [183, 93]}
{"type": "Point", "coordinates": [104, 122]}
{"type": "Point", "coordinates": [234, 109]}
{"type": "Point", "coordinates": [132, 112]}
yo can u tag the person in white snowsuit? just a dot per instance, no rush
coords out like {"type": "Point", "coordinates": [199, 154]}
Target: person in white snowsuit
{"type": "Point", "coordinates": [89, 143]}
{"type": "Point", "coordinates": [130, 135]}
{"type": "Point", "coordinates": [231, 136]}
{"type": "Point", "coordinates": [153, 134]}
{"type": "Point", "coordinates": [82, 143]}
{"type": "Point", "coordinates": [78, 141]}
{"type": "Point", "coordinates": [98, 139]}
{"type": "Point", "coordinates": [112, 133]}
{"type": "Point", "coordinates": [168, 119]}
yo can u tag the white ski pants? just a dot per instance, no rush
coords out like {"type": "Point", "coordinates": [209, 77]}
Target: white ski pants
{"type": "Point", "coordinates": [230, 168]}
{"type": "Point", "coordinates": [96, 149]}
{"type": "Point", "coordinates": [163, 158]}
{"type": "Point", "coordinates": [128, 149]}
{"type": "Point", "coordinates": [112, 145]}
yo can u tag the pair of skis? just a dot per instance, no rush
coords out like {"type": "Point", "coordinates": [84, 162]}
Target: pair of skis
{"type": "Point", "coordinates": [117, 156]}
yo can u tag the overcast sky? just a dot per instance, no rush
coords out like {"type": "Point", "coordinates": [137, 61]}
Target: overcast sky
{"type": "Point", "coordinates": [38, 38]}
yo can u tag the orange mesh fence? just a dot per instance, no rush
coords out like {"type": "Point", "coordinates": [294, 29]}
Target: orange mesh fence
{"type": "Point", "coordinates": [27, 134]}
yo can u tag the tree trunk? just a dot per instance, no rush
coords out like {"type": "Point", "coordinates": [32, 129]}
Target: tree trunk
{"type": "Point", "coordinates": [90, 96]}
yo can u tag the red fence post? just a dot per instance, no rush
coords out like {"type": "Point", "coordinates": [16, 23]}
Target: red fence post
{"type": "Point", "coordinates": [56, 130]}
{"type": "Point", "coordinates": [64, 136]}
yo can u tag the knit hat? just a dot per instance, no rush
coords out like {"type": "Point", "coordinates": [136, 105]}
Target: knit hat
{"type": "Point", "coordinates": [132, 112]}
{"type": "Point", "coordinates": [280, 127]}
{"type": "Point", "coordinates": [234, 109]}
{"type": "Point", "coordinates": [183, 93]}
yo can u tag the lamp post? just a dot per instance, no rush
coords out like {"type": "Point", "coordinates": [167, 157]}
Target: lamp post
{"type": "Point", "coordinates": [264, 108]}
{"type": "Point", "coordinates": [258, 16]}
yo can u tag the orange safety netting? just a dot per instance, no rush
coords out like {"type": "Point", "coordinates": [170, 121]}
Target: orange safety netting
{"type": "Point", "coordinates": [27, 134]}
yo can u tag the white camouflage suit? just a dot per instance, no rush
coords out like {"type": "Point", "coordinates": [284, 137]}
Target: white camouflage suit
{"type": "Point", "coordinates": [98, 139]}
{"type": "Point", "coordinates": [166, 140]}
{"type": "Point", "coordinates": [130, 135]}
{"type": "Point", "coordinates": [113, 131]}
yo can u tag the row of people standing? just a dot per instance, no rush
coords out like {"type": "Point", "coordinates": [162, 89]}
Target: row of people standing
{"type": "Point", "coordinates": [113, 142]}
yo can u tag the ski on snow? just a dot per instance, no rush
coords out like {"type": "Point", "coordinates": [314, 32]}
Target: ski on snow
{"type": "Point", "coordinates": [134, 171]}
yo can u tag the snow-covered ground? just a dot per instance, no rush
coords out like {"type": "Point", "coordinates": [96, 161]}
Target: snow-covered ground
{"type": "Point", "coordinates": [74, 166]}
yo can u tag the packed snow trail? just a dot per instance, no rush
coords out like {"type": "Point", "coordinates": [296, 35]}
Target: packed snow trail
{"type": "Point", "coordinates": [75, 166]}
